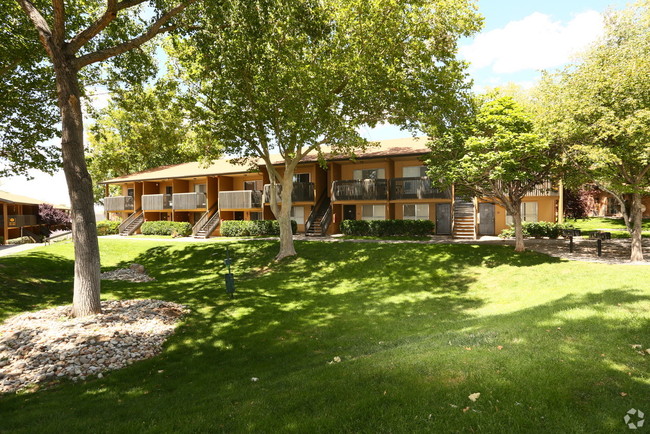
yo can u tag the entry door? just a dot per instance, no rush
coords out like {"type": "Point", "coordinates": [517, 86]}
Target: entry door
{"type": "Point", "coordinates": [443, 218]}
{"type": "Point", "coordinates": [486, 213]}
{"type": "Point", "coordinates": [349, 212]}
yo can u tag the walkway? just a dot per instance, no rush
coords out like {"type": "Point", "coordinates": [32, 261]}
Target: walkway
{"type": "Point", "coordinates": [12, 250]}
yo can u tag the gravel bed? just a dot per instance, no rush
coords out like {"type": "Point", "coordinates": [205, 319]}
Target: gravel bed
{"type": "Point", "coordinates": [40, 348]}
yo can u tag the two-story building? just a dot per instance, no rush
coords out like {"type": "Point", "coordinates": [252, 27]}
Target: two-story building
{"type": "Point", "coordinates": [387, 181]}
{"type": "Point", "coordinates": [19, 215]}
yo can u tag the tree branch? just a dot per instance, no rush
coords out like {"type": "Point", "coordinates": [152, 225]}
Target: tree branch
{"type": "Point", "coordinates": [43, 29]}
{"type": "Point", "coordinates": [58, 31]}
{"type": "Point", "coordinates": [155, 29]}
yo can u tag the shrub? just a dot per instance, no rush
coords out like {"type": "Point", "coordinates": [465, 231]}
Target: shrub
{"type": "Point", "coordinates": [107, 227]}
{"type": "Point", "coordinates": [21, 240]}
{"type": "Point", "coordinates": [183, 229]}
{"type": "Point", "coordinates": [251, 228]}
{"type": "Point", "coordinates": [384, 228]}
{"type": "Point", "coordinates": [538, 230]}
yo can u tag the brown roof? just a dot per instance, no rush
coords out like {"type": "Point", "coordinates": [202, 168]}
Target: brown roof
{"type": "Point", "coordinates": [384, 148]}
{"type": "Point", "coordinates": [16, 198]}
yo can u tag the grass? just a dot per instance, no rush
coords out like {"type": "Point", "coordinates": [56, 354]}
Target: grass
{"type": "Point", "coordinates": [418, 328]}
{"type": "Point", "coordinates": [386, 238]}
{"type": "Point", "coordinates": [615, 225]}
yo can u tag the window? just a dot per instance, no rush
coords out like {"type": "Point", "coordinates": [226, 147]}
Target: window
{"type": "Point", "coordinates": [253, 185]}
{"type": "Point", "coordinates": [369, 174]}
{"type": "Point", "coordinates": [168, 189]}
{"type": "Point", "coordinates": [418, 211]}
{"type": "Point", "coordinates": [130, 192]}
{"type": "Point", "coordinates": [301, 177]}
{"type": "Point", "coordinates": [256, 216]}
{"type": "Point", "coordinates": [239, 215]}
{"type": "Point", "coordinates": [298, 214]}
{"type": "Point", "coordinates": [414, 171]}
{"type": "Point", "coordinates": [199, 188]}
{"type": "Point", "coordinates": [613, 207]}
{"type": "Point", "coordinates": [374, 212]}
{"type": "Point", "coordinates": [528, 213]}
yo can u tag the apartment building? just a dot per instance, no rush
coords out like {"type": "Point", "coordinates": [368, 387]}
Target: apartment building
{"type": "Point", "coordinates": [387, 181]}
{"type": "Point", "coordinates": [19, 216]}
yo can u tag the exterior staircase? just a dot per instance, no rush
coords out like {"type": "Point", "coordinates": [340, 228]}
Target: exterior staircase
{"type": "Point", "coordinates": [464, 219]}
{"type": "Point", "coordinates": [319, 220]}
{"type": "Point", "coordinates": [131, 224]}
{"type": "Point", "coordinates": [206, 225]}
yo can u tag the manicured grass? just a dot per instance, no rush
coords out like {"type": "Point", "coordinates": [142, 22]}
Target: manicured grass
{"type": "Point", "coordinates": [418, 328]}
{"type": "Point", "coordinates": [615, 225]}
{"type": "Point", "coordinates": [387, 238]}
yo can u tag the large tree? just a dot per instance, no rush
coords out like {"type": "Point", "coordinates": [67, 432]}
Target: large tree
{"type": "Point", "coordinates": [59, 47]}
{"type": "Point", "coordinates": [142, 127]}
{"type": "Point", "coordinates": [494, 152]}
{"type": "Point", "coordinates": [290, 76]}
{"type": "Point", "coordinates": [599, 108]}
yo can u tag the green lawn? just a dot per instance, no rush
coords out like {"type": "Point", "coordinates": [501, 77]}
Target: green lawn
{"type": "Point", "coordinates": [615, 225]}
{"type": "Point", "coordinates": [418, 329]}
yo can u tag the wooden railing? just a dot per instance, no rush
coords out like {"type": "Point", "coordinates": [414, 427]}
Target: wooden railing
{"type": "Point", "coordinates": [203, 220]}
{"type": "Point", "coordinates": [128, 221]}
{"type": "Point", "coordinates": [240, 199]}
{"type": "Point", "coordinates": [360, 189]}
{"type": "Point", "coordinates": [416, 188]}
{"type": "Point", "coordinates": [156, 202]}
{"type": "Point", "coordinates": [189, 200]}
{"type": "Point", "coordinates": [302, 192]}
{"type": "Point", "coordinates": [18, 221]}
{"type": "Point", "coordinates": [544, 189]}
{"type": "Point", "coordinates": [118, 203]}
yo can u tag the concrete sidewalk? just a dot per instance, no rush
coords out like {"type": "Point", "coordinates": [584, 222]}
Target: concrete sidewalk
{"type": "Point", "coordinates": [11, 250]}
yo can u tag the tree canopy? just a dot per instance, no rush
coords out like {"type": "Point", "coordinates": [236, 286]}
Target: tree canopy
{"type": "Point", "coordinates": [290, 76]}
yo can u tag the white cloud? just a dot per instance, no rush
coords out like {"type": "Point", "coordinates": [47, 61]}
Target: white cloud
{"type": "Point", "coordinates": [535, 42]}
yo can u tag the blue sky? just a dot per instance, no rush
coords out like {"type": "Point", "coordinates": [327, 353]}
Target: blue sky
{"type": "Point", "coordinates": [518, 39]}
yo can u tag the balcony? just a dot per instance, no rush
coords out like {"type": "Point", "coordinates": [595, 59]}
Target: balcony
{"type": "Point", "coordinates": [156, 202]}
{"type": "Point", "coordinates": [416, 188]}
{"type": "Point", "coordinates": [189, 200]}
{"type": "Point", "coordinates": [544, 189]}
{"type": "Point", "coordinates": [18, 221]}
{"type": "Point", "coordinates": [241, 199]}
{"type": "Point", "coordinates": [302, 192]}
{"type": "Point", "coordinates": [360, 189]}
{"type": "Point", "coordinates": [118, 203]}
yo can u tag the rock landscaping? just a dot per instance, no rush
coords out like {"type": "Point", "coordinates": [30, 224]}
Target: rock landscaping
{"type": "Point", "coordinates": [40, 348]}
{"type": "Point", "coordinates": [135, 273]}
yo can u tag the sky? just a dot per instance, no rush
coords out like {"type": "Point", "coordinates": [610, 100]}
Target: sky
{"type": "Point", "coordinates": [519, 39]}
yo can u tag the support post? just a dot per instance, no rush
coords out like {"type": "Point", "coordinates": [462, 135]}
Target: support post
{"type": "Point", "coordinates": [5, 225]}
{"type": "Point", "coordinates": [560, 203]}
{"type": "Point", "coordinates": [599, 244]}
{"type": "Point", "coordinates": [571, 244]}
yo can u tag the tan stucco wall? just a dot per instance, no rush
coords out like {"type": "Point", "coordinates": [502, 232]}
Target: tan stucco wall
{"type": "Point", "coordinates": [545, 211]}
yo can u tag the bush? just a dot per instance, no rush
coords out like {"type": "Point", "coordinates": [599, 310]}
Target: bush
{"type": "Point", "coordinates": [251, 228]}
{"type": "Point", "coordinates": [538, 230]}
{"type": "Point", "coordinates": [387, 228]}
{"type": "Point", "coordinates": [183, 229]}
{"type": "Point", "coordinates": [107, 227]}
{"type": "Point", "coordinates": [21, 240]}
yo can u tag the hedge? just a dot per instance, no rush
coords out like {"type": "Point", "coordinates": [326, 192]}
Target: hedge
{"type": "Point", "coordinates": [383, 228]}
{"type": "Point", "coordinates": [538, 230]}
{"type": "Point", "coordinates": [182, 229]}
{"type": "Point", "coordinates": [107, 227]}
{"type": "Point", "coordinates": [248, 228]}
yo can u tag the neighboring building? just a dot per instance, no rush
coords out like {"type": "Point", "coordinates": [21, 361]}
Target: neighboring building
{"type": "Point", "coordinates": [603, 204]}
{"type": "Point", "coordinates": [19, 214]}
{"type": "Point", "coordinates": [384, 182]}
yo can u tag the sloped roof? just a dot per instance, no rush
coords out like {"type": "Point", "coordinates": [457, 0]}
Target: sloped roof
{"type": "Point", "coordinates": [16, 198]}
{"type": "Point", "coordinates": [384, 148]}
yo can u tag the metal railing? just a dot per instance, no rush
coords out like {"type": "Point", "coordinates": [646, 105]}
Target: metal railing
{"type": "Point", "coordinates": [18, 221]}
{"type": "Point", "coordinates": [118, 203]}
{"type": "Point", "coordinates": [302, 192]}
{"type": "Point", "coordinates": [416, 188]}
{"type": "Point", "coordinates": [189, 200]}
{"type": "Point", "coordinates": [240, 199]}
{"type": "Point", "coordinates": [156, 202]}
{"type": "Point", "coordinates": [360, 189]}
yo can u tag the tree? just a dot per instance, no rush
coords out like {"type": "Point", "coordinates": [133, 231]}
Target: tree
{"type": "Point", "coordinates": [53, 216]}
{"type": "Point", "coordinates": [494, 152]}
{"type": "Point", "coordinates": [290, 76]}
{"type": "Point", "coordinates": [142, 128]}
{"type": "Point", "coordinates": [600, 109]}
{"type": "Point", "coordinates": [65, 43]}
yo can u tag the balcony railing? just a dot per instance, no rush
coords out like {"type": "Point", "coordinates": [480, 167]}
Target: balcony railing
{"type": "Point", "coordinates": [189, 200]}
{"type": "Point", "coordinates": [118, 203]}
{"type": "Point", "coordinates": [544, 189]}
{"type": "Point", "coordinates": [302, 192]}
{"type": "Point", "coordinates": [360, 189]}
{"type": "Point", "coordinates": [17, 221]}
{"type": "Point", "coordinates": [156, 202]}
{"type": "Point", "coordinates": [416, 188]}
{"type": "Point", "coordinates": [241, 199]}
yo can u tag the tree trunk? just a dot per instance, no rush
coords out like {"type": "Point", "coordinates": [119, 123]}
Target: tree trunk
{"type": "Point", "coordinates": [519, 230]}
{"type": "Point", "coordinates": [636, 215]}
{"type": "Point", "coordinates": [80, 187]}
{"type": "Point", "coordinates": [284, 218]}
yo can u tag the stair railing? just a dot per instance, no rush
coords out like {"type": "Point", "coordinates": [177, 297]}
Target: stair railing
{"type": "Point", "coordinates": [128, 221]}
{"type": "Point", "coordinates": [315, 210]}
{"type": "Point", "coordinates": [326, 220]}
{"type": "Point", "coordinates": [203, 220]}
{"type": "Point", "coordinates": [212, 223]}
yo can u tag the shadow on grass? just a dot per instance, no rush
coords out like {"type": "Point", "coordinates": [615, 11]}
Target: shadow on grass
{"type": "Point", "coordinates": [402, 321]}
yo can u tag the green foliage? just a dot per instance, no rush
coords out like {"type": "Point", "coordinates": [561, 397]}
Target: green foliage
{"type": "Point", "coordinates": [538, 230]}
{"type": "Point", "coordinates": [384, 228]}
{"type": "Point", "coordinates": [183, 229]}
{"type": "Point", "coordinates": [252, 228]}
{"type": "Point", "coordinates": [107, 227]}
{"type": "Point", "coordinates": [141, 128]}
